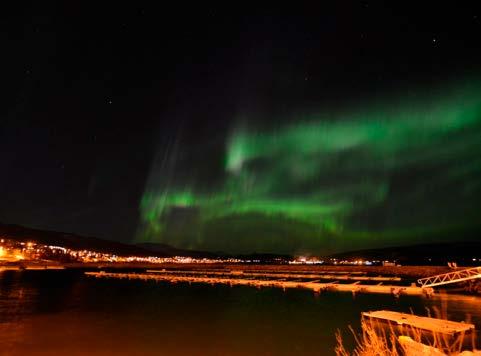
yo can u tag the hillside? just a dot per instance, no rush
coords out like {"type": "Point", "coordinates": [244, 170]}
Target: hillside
{"type": "Point", "coordinates": [424, 254]}
{"type": "Point", "coordinates": [77, 242]}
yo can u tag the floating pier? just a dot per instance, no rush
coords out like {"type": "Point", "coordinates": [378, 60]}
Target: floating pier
{"type": "Point", "coordinates": [31, 268]}
{"type": "Point", "coordinates": [339, 277]}
{"type": "Point", "coordinates": [42, 268]}
{"type": "Point", "coordinates": [439, 326]}
{"type": "Point", "coordinates": [240, 279]}
{"type": "Point", "coordinates": [9, 268]}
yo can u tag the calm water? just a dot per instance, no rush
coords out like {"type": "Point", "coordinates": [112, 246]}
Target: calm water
{"type": "Point", "coordinates": [66, 313]}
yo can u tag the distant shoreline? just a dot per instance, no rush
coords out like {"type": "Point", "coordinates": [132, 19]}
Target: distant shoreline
{"type": "Point", "coordinates": [400, 271]}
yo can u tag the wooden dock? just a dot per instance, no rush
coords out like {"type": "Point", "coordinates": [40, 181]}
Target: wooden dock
{"type": "Point", "coordinates": [439, 326]}
{"type": "Point", "coordinates": [42, 268]}
{"type": "Point", "coordinates": [9, 268]}
{"type": "Point", "coordinates": [339, 277]}
{"type": "Point", "coordinates": [316, 286]}
{"type": "Point", "coordinates": [32, 268]}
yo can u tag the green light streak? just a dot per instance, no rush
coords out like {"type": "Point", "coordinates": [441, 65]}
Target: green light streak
{"type": "Point", "coordinates": [414, 164]}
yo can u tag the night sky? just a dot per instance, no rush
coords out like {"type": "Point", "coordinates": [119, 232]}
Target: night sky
{"type": "Point", "coordinates": [306, 129]}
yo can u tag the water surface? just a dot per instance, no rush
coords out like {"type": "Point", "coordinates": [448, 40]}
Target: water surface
{"type": "Point", "coordinates": [67, 313]}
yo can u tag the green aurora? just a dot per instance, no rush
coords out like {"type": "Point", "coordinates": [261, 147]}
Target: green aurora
{"type": "Point", "coordinates": [385, 174]}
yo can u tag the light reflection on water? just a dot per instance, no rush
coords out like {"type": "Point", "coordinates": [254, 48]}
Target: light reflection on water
{"type": "Point", "coordinates": [66, 313]}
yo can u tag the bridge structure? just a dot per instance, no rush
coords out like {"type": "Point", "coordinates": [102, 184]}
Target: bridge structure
{"type": "Point", "coordinates": [451, 277]}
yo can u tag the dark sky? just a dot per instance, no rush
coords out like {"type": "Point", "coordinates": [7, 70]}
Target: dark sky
{"type": "Point", "coordinates": [95, 96]}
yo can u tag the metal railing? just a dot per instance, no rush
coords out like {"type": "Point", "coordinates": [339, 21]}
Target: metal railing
{"type": "Point", "coordinates": [451, 277]}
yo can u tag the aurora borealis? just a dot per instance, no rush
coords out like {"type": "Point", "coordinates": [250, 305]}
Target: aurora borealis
{"type": "Point", "coordinates": [313, 128]}
{"type": "Point", "coordinates": [387, 172]}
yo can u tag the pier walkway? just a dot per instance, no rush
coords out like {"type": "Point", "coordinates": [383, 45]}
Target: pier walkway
{"type": "Point", "coordinates": [338, 276]}
{"type": "Point", "coordinates": [258, 282]}
{"type": "Point", "coordinates": [439, 326]}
